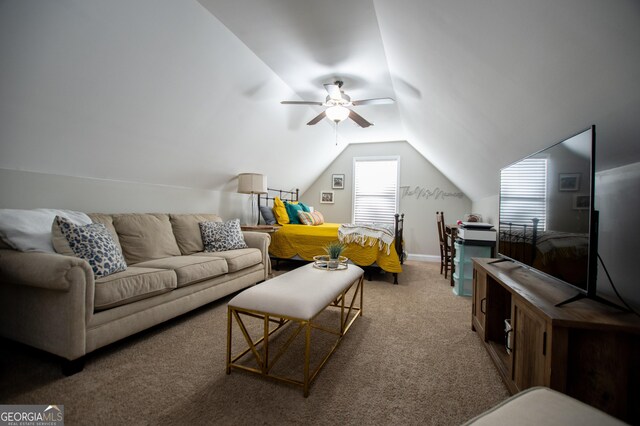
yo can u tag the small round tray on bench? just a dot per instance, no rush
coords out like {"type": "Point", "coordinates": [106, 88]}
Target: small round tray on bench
{"type": "Point", "coordinates": [323, 262]}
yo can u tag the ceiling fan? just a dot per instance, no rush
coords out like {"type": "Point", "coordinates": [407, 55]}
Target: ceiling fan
{"type": "Point", "coordinates": [338, 102]}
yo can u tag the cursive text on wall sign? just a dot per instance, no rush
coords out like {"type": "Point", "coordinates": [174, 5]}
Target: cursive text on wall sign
{"type": "Point", "coordinates": [421, 192]}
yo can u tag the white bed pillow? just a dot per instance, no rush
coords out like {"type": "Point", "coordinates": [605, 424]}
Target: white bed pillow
{"type": "Point", "coordinates": [30, 230]}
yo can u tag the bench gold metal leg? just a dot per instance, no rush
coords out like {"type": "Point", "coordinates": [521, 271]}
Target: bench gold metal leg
{"type": "Point", "coordinates": [250, 342]}
{"type": "Point", "coordinates": [229, 340]}
{"type": "Point", "coordinates": [307, 358]}
{"type": "Point", "coordinates": [261, 356]}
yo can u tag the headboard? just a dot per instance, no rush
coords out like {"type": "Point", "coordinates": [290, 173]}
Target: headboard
{"type": "Point", "coordinates": [264, 199]}
{"type": "Point", "coordinates": [267, 199]}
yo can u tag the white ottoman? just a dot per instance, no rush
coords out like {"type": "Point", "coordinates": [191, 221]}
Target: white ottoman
{"type": "Point", "coordinates": [297, 296]}
{"type": "Point", "coordinates": [541, 406]}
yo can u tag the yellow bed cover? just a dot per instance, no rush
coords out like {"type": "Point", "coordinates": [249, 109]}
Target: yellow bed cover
{"type": "Point", "coordinates": [308, 241]}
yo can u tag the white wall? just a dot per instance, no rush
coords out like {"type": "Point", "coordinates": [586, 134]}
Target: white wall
{"type": "Point", "coordinates": [28, 190]}
{"type": "Point", "coordinates": [424, 190]}
{"type": "Point", "coordinates": [488, 207]}
{"type": "Point", "coordinates": [149, 91]}
{"type": "Point", "coordinates": [618, 200]}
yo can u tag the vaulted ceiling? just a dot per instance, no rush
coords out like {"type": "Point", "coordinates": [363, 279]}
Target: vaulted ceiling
{"type": "Point", "coordinates": [478, 84]}
{"type": "Point", "coordinates": [187, 93]}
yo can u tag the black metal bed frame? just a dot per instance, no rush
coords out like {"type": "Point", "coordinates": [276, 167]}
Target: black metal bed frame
{"type": "Point", "coordinates": [282, 194]}
{"type": "Point", "coordinates": [513, 236]}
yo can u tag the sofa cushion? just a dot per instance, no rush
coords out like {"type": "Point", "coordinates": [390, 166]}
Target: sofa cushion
{"type": "Point", "coordinates": [190, 269]}
{"type": "Point", "coordinates": [222, 236]}
{"type": "Point", "coordinates": [107, 221]}
{"type": "Point", "coordinates": [187, 231]}
{"type": "Point", "coordinates": [145, 237]}
{"type": "Point", "coordinates": [92, 243]}
{"type": "Point", "coordinates": [237, 259]}
{"type": "Point", "coordinates": [133, 284]}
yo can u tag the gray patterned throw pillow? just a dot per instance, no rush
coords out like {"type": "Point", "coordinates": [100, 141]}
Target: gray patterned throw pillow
{"type": "Point", "coordinates": [222, 236]}
{"type": "Point", "coordinates": [94, 244]}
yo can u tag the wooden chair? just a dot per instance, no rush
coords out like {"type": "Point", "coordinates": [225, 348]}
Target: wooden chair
{"type": "Point", "coordinates": [446, 255]}
{"type": "Point", "coordinates": [452, 247]}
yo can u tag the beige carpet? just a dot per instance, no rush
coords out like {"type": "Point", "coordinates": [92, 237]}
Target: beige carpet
{"type": "Point", "coordinates": [412, 359]}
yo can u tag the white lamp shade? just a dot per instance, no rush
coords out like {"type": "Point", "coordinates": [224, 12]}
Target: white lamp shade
{"type": "Point", "coordinates": [252, 183]}
{"type": "Point", "coordinates": [337, 113]}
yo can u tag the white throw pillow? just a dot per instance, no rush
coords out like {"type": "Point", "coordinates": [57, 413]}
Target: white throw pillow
{"type": "Point", "coordinates": [30, 230]}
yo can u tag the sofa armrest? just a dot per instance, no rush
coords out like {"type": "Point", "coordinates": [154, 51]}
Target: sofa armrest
{"type": "Point", "coordinates": [260, 240]}
{"type": "Point", "coordinates": [46, 301]}
{"type": "Point", "coordinates": [44, 270]}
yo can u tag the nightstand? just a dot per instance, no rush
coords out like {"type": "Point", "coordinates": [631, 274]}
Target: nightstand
{"type": "Point", "coordinates": [261, 228]}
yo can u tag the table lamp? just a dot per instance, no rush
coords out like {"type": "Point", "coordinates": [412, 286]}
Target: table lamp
{"type": "Point", "coordinates": [252, 183]}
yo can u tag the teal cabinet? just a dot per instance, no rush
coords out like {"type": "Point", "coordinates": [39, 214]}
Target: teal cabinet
{"type": "Point", "coordinates": [463, 275]}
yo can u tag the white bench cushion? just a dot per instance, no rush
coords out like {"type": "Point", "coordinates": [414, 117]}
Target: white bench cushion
{"type": "Point", "coordinates": [300, 294]}
{"type": "Point", "coordinates": [542, 406]}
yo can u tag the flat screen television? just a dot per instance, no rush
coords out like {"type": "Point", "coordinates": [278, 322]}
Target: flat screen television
{"type": "Point", "coordinates": [547, 216]}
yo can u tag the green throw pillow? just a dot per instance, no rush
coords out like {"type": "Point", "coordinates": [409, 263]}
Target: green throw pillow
{"type": "Point", "coordinates": [304, 207]}
{"type": "Point", "coordinates": [292, 212]}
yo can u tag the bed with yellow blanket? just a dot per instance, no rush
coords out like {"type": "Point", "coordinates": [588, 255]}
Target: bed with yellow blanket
{"type": "Point", "coordinates": [308, 241]}
{"type": "Point", "coordinates": [303, 242]}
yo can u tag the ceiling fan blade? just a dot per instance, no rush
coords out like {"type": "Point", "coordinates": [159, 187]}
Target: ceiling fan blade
{"type": "Point", "coordinates": [301, 103]}
{"type": "Point", "coordinates": [360, 121]}
{"type": "Point", "coordinates": [334, 91]}
{"type": "Point", "coordinates": [376, 101]}
{"type": "Point", "coordinates": [317, 118]}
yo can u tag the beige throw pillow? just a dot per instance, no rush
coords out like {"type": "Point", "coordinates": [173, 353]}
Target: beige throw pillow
{"type": "Point", "coordinates": [186, 229]}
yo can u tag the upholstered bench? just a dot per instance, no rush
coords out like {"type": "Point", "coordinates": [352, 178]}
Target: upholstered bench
{"type": "Point", "coordinates": [298, 296]}
{"type": "Point", "coordinates": [543, 406]}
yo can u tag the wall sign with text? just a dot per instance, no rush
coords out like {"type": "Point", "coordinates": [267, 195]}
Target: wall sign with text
{"type": "Point", "coordinates": [421, 192]}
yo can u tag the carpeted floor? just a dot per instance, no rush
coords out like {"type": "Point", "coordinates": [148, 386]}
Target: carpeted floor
{"type": "Point", "coordinates": [412, 359]}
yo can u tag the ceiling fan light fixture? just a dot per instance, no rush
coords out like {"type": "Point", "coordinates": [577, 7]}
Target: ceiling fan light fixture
{"type": "Point", "coordinates": [337, 113]}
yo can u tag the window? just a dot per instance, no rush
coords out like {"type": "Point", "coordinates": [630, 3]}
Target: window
{"type": "Point", "coordinates": [523, 193]}
{"type": "Point", "coordinates": [375, 189]}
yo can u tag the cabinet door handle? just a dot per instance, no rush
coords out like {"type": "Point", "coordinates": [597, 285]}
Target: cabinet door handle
{"type": "Point", "coordinates": [544, 343]}
{"type": "Point", "coordinates": [506, 340]}
{"type": "Point", "coordinates": [483, 304]}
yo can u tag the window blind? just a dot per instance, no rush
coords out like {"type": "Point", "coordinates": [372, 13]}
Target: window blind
{"type": "Point", "coordinates": [523, 193]}
{"type": "Point", "coordinates": [375, 190]}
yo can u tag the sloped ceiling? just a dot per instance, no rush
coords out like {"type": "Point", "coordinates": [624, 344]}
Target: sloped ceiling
{"type": "Point", "coordinates": [187, 93]}
{"type": "Point", "coordinates": [152, 91]}
{"type": "Point", "coordinates": [478, 84]}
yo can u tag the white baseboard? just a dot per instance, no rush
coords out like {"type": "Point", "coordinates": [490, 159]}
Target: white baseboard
{"type": "Point", "coordinates": [423, 257]}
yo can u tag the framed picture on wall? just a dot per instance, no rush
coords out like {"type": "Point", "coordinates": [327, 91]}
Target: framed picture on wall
{"type": "Point", "coordinates": [569, 182]}
{"type": "Point", "coordinates": [326, 197]}
{"type": "Point", "coordinates": [337, 181]}
{"type": "Point", "coordinates": [581, 202]}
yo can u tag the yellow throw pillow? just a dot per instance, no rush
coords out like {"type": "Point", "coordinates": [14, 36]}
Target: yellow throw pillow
{"type": "Point", "coordinates": [280, 211]}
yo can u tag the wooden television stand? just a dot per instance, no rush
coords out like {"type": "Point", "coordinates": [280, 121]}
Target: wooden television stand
{"type": "Point", "coordinates": [586, 350]}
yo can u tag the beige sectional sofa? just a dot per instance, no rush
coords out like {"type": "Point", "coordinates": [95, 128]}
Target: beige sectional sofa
{"type": "Point", "coordinates": [54, 303]}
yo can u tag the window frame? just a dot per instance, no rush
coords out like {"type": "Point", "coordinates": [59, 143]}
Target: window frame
{"type": "Point", "coordinates": [544, 199]}
{"type": "Point", "coordinates": [395, 158]}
